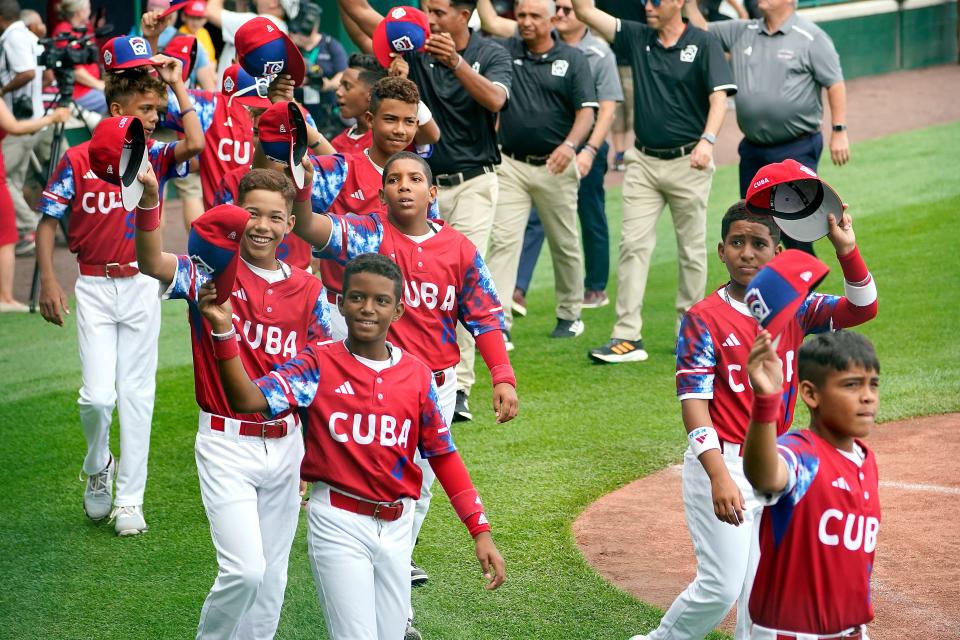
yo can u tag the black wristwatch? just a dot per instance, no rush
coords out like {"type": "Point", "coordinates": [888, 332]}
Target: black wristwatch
{"type": "Point", "coordinates": [839, 127]}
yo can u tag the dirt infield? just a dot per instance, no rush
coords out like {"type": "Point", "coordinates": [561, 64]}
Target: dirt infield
{"type": "Point", "coordinates": [636, 536]}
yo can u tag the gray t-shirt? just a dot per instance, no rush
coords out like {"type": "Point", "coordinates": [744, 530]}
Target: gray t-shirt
{"type": "Point", "coordinates": [603, 66]}
{"type": "Point", "coordinates": [779, 76]}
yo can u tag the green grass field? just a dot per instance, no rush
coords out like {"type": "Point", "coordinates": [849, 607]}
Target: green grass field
{"type": "Point", "coordinates": [583, 431]}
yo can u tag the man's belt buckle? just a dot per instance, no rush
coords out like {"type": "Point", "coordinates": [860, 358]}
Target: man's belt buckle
{"type": "Point", "coordinates": [108, 266]}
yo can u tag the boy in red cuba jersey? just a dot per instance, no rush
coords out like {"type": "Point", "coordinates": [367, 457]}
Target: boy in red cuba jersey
{"type": "Point", "coordinates": [818, 534]}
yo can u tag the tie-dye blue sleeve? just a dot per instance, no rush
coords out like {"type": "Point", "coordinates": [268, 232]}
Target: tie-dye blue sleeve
{"type": "Point", "coordinates": [319, 331]}
{"type": "Point", "coordinates": [434, 435]}
{"type": "Point", "coordinates": [165, 163]}
{"type": "Point", "coordinates": [203, 102]}
{"type": "Point", "coordinates": [329, 174]}
{"type": "Point", "coordinates": [292, 384]}
{"type": "Point", "coordinates": [696, 359]}
{"type": "Point", "coordinates": [800, 456]}
{"type": "Point", "coordinates": [187, 280]}
{"type": "Point", "coordinates": [815, 315]}
{"type": "Point", "coordinates": [223, 196]}
{"type": "Point", "coordinates": [55, 199]}
{"type": "Point", "coordinates": [478, 306]}
{"type": "Point", "coordinates": [433, 213]}
{"type": "Point", "coordinates": [351, 236]}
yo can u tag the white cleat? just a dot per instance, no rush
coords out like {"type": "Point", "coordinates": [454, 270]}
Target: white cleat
{"type": "Point", "coordinates": [128, 521]}
{"type": "Point", "coordinates": [98, 493]}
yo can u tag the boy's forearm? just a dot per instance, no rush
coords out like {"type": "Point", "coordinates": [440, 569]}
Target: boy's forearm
{"type": "Point", "coordinates": [695, 413]}
{"type": "Point", "coordinates": [761, 463]}
{"type": "Point", "coordinates": [46, 239]}
{"type": "Point", "coordinates": [242, 394]}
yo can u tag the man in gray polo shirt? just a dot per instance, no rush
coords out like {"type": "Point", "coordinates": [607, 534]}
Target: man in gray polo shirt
{"type": "Point", "coordinates": [781, 62]}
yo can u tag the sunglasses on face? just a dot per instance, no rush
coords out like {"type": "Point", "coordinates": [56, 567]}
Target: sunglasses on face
{"type": "Point", "coordinates": [564, 11]}
{"type": "Point", "coordinates": [655, 3]}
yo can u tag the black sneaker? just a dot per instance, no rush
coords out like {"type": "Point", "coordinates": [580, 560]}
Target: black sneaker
{"type": "Point", "coordinates": [461, 411]}
{"type": "Point", "coordinates": [507, 342]}
{"type": "Point", "coordinates": [417, 575]}
{"type": "Point", "coordinates": [567, 328]}
{"type": "Point", "coordinates": [619, 351]}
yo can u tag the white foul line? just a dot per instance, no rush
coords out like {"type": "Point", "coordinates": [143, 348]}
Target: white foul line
{"type": "Point", "coordinates": [914, 486]}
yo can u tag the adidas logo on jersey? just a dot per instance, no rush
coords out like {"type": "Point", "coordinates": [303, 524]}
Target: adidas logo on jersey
{"type": "Point", "coordinates": [240, 293]}
{"type": "Point", "coordinates": [841, 483]}
{"type": "Point", "coordinates": [90, 175]}
{"type": "Point", "coordinates": [731, 341]}
{"type": "Point", "coordinates": [357, 195]}
{"type": "Point", "coordinates": [346, 389]}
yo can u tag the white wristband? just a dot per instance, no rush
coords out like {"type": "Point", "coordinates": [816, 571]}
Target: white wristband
{"type": "Point", "coordinates": [424, 115]}
{"type": "Point", "coordinates": [703, 439]}
{"type": "Point", "coordinates": [862, 295]}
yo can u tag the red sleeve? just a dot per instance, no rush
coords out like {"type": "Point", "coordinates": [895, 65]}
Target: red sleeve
{"type": "Point", "coordinates": [854, 268]}
{"type": "Point", "coordinates": [847, 313]}
{"type": "Point", "coordinates": [455, 480]}
{"type": "Point", "coordinates": [494, 353]}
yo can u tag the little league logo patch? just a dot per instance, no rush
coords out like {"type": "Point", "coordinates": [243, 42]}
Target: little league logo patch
{"type": "Point", "coordinates": [476, 66]}
{"type": "Point", "coordinates": [398, 13]}
{"type": "Point", "coordinates": [228, 85]}
{"type": "Point", "coordinates": [107, 58]}
{"type": "Point", "coordinates": [559, 68]}
{"type": "Point", "coordinates": [273, 67]}
{"type": "Point", "coordinates": [139, 46]}
{"type": "Point", "coordinates": [689, 53]}
{"type": "Point", "coordinates": [403, 43]}
{"type": "Point", "coordinates": [755, 302]}
{"type": "Point", "coordinates": [201, 265]}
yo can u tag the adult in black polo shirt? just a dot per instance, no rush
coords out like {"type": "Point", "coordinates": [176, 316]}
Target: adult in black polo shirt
{"type": "Point", "coordinates": [465, 79]}
{"type": "Point", "coordinates": [551, 113]}
{"type": "Point", "coordinates": [681, 81]}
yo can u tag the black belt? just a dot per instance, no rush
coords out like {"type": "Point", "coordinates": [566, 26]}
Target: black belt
{"type": "Point", "coordinates": [537, 161]}
{"type": "Point", "coordinates": [456, 179]}
{"type": "Point", "coordinates": [667, 154]}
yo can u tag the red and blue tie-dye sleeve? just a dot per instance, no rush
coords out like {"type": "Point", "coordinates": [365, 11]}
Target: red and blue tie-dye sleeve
{"type": "Point", "coordinates": [292, 384]}
{"type": "Point", "coordinates": [204, 103]}
{"type": "Point", "coordinates": [164, 162]}
{"type": "Point", "coordinates": [696, 359]}
{"type": "Point", "coordinates": [434, 435]}
{"type": "Point", "coordinates": [55, 199]}
{"type": "Point", "coordinates": [351, 236]}
{"type": "Point", "coordinates": [800, 456]}
{"type": "Point", "coordinates": [329, 174]}
{"type": "Point", "coordinates": [186, 283]}
{"type": "Point", "coordinates": [815, 315]}
{"type": "Point", "coordinates": [319, 331]}
{"type": "Point", "coordinates": [478, 306]}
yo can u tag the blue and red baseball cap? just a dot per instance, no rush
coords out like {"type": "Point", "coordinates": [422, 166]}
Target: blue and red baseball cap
{"type": "Point", "coordinates": [175, 5]}
{"type": "Point", "coordinates": [118, 154]}
{"type": "Point", "coordinates": [126, 52]}
{"type": "Point", "coordinates": [264, 50]}
{"type": "Point", "coordinates": [403, 29]}
{"type": "Point", "coordinates": [796, 197]}
{"type": "Point", "coordinates": [195, 9]}
{"type": "Point", "coordinates": [283, 137]}
{"type": "Point", "coordinates": [780, 287]}
{"type": "Point", "coordinates": [239, 85]}
{"type": "Point", "coordinates": [214, 245]}
{"type": "Point", "coordinates": [183, 47]}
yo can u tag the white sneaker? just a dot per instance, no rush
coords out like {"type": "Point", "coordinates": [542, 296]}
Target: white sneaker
{"type": "Point", "coordinates": [98, 493]}
{"type": "Point", "coordinates": [640, 637]}
{"type": "Point", "coordinates": [128, 521]}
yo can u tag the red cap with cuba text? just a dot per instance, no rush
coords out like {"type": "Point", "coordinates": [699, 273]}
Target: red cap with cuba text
{"type": "Point", "coordinates": [796, 197]}
{"type": "Point", "coordinates": [118, 154]}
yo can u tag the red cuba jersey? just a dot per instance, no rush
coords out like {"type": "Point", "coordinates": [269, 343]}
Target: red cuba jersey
{"type": "Point", "coordinates": [362, 426]}
{"type": "Point", "coordinates": [348, 142]}
{"type": "Point", "coordinates": [99, 230]}
{"type": "Point", "coordinates": [274, 322]}
{"type": "Point", "coordinates": [818, 540]}
{"type": "Point", "coordinates": [712, 349]}
{"type": "Point", "coordinates": [444, 280]}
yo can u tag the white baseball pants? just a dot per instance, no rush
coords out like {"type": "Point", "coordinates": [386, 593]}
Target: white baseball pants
{"type": "Point", "coordinates": [361, 566]}
{"type": "Point", "coordinates": [762, 633]}
{"type": "Point", "coordinates": [448, 402]}
{"type": "Point", "coordinates": [727, 556]}
{"type": "Point", "coordinates": [118, 325]}
{"type": "Point", "coordinates": [250, 490]}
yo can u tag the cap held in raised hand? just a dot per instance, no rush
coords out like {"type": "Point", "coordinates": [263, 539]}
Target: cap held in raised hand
{"type": "Point", "coordinates": [796, 197]}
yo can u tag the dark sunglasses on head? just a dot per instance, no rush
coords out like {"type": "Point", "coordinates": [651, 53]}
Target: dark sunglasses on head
{"type": "Point", "coordinates": [564, 11]}
{"type": "Point", "coordinates": [655, 3]}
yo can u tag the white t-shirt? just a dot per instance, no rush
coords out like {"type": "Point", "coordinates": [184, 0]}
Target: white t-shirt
{"type": "Point", "coordinates": [230, 21]}
{"type": "Point", "coordinates": [19, 53]}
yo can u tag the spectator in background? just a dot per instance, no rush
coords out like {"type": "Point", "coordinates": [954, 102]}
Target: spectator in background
{"type": "Point", "coordinates": [194, 21]}
{"type": "Point", "coordinates": [623, 115]}
{"type": "Point", "coordinates": [278, 11]}
{"type": "Point", "coordinates": [34, 23]}
{"type": "Point", "coordinates": [781, 63]}
{"type": "Point", "coordinates": [21, 85]}
{"type": "Point", "coordinates": [326, 60]}
{"type": "Point", "coordinates": [711, 10]}
{"type": "Point", "coordinates": [203, 74]}
{"type": "Point", "coordinates": [88, 91]}
{"type": "Point", "coordinates": [353, 98]}
{"type": "Point", "coordinates": [12, 127]}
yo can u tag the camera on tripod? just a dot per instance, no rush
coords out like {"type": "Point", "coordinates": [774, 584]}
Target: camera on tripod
{"type": "Point", "coordinates": [65, 52]}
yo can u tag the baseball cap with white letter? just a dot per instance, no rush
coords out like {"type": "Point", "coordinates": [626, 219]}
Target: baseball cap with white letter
{"type": "Point", "coordinates": [780, 287]}
{"type": "Point", "coordinates": [118, 154]}
{"type": "Point", "coordinates": [403, 29]}
{"type": "Point", "coordinates": [264, 50]}
{"type": "Point", "coordinates": [214, 245]}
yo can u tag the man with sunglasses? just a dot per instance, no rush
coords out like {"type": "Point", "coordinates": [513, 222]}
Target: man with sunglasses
{"type": "Point", "coordinates": [681, 84]}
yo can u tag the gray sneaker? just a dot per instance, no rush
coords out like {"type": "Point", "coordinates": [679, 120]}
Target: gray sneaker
{"type": "Point", "coordinates": [98, 493]}
{"type": "Point", "coordinates": [128, 521]}
{"type": "Point", "coordinates": [411, 633]}
{"type": "Point", "coordinates": [417, 575]}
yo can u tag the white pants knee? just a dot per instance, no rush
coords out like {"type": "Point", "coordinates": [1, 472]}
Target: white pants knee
{"type": "Point", "coordinates": [726, 557]}
{"type": "Point", "coordinates": [250, 490]}
{"type": "Point", "coordinates": [361, 566]}
{"type": "Point", "coordinates": [448, 400]}
{"type": "Point", "coordinates": [118, 325]}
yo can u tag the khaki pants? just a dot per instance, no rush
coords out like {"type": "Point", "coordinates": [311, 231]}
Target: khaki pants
{"type": "Point", "coordinates": [648, 185]}
{"type": "Point", "coordinates": [524, 185]}
{"type": "Point", "coordinates": [468, 208]}
{"type": "Point", "coordinates": [16, 156]}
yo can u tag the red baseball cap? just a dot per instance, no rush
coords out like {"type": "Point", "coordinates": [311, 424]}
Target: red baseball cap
{"type": "Point", "coordinates": [264, 50]}
{"type": "Point", "coordinates": [195, 9]}
{"type": "Point", "coordinates": [183, 47]}
{"type": "Point", "coordinates": [239, 85]}
{"type": "Point", "coordinates": [126, 52]}
{"type": "Point", "coordinates": [175, 5]}
{"type": "Point", "coordinates": [283, 137]}
{"type": "Point", "coordinates": [403, 29]}
{"type": "Point", "coordinates": [118, 154]}
{"type": "Point", "coordinates": [796, 197]}
{"type": "Point", "coordinates": [214, 245]}
{"type": "Point", "coordinates": [780, 287]}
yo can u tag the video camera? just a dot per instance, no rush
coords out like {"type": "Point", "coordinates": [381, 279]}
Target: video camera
{"type": "Point", "coordinates": [66, 51]}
